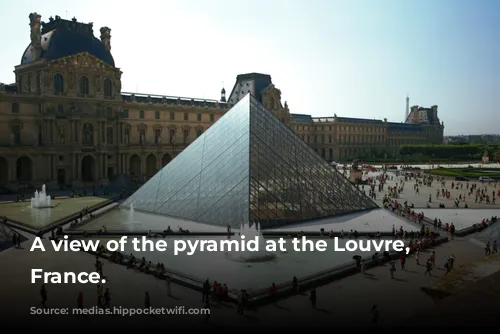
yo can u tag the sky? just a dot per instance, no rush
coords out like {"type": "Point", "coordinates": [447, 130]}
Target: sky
{"type": "Point", "coordinates": [352, 58]}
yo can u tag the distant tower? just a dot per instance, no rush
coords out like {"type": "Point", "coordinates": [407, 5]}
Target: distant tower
{"type": "Point", "coordinates": [407, 113]}
{"type": "Point", "coordinates": [223, 95]}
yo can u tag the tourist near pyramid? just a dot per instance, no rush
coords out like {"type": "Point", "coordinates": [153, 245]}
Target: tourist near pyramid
{"type": "Point", "coordinates": [249, 166]}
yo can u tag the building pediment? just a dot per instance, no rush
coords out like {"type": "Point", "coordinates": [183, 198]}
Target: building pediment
{"type": "Point", "coordinates": [83, 60]}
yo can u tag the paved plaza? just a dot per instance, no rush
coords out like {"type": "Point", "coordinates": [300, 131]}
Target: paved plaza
{"type": "Point", "coordinates": [344, 302]}
{"type": "Point", "coordinates": [421, 200]}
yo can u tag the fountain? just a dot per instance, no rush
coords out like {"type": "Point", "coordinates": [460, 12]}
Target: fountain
{"type": "Point", "coordinates": [131, 214]}
{"type": "Point", "coordinates": [41, 200]}
{"type": "Point", "coordinates": [261, 255]}
{"type": "Point", "coordinates": [131, 222]}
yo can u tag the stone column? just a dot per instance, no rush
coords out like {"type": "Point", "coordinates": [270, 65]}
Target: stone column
{"type": "Point", "coordinates": [54, 132]}
{"type": "Point", "coordinates": [79, 167]}
{"type": "Point", "coordinates": [105, 133]}
{"type": "Point", "coordinates": [105, 167]}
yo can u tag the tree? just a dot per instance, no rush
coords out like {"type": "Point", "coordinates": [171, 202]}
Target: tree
{"type": "Point", "coordinates": [496, 156]}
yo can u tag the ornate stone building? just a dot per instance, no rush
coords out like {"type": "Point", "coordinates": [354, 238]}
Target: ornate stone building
{"type": "Point", "coordinates": [65, 121]}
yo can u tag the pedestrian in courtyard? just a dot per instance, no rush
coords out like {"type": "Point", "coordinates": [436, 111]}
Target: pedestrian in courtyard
{"type": "Point", "coordinates": [487, 249]}
{"type": "Point", "coordinates": [147, 301]}
{"type": "Point", "coordinates": [100, 295]}
{"type": "Point", "coordinates": [241, 300]}
{"type": "Point", "coordinates": [402, 259]}
{"type": "Point", "coordinates": [375, 314]}
{"type": "Point", "coordinates": [417, 257]}
{"type": "Point", "coordinates": [428, 267]}
{"type": "Point", "coordinates": [392, 268]}
{"type": "Point", "coordinates": [18, 241]}
{"type": "Point", "coordinates": [205, 291]}
{"type": "Point", "coordinates": [495, 250]}
{"type": "Point", "coordinates": [363, 267]}
{"type": "Point", "coordinates": [79, 300]}
{"type": "Point", "coordinates": [168, 284]}
{"type": "Point", "coordinates": [312, 298]}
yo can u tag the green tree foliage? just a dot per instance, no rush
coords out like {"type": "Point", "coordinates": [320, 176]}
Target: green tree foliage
{"type": "Point", "coordinates": [446, 151]}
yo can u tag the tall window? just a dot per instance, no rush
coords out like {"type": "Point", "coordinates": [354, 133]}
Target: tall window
{"type": "Point", "coordinates": [198, 132]}
{"type": "Point", "coordinates": [141, 114]}
{"type": "Point", "coordinates": [211, 117]}
{"type": "Point", "coordinates": [157, 136]}
{"type": "Point", "coordinates": [157, 114]}
{"type": "Point", "coordinates": [186, 116]}
{"type": "Point", "coordinates": [142, 136]}
{"type": "Point", "coordinates": [108, 88]}
{"type": "Point", "coordinates": [198, 117]}
{"type": "Point", "coordinates": [58, 83]}
{"type": "Point", "coordinates": [15, 108]}
{"type": "Point", "coordinates": [186, 135]}
{"type": "Point", "coordinates": [172, 136]}
{"type": "Point", "coordinates": [84, 85]}
{"type": "Point", "coordinates": [172, 115]}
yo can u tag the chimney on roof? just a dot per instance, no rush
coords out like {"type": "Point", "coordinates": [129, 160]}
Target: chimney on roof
{"type": "Point", "coordinates": [106, 38]}
{"type": "Point", "coordinates": [36, 35]}
{"type": "Point", "coordinates": [223, 95]}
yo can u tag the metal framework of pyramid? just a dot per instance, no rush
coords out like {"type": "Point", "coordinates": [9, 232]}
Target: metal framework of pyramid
{"type": "Point", "coordinates": [249, 166]}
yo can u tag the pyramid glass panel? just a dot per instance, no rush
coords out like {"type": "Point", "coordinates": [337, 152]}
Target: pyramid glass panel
{"type": "Point", "coordinates": [249, 166]}
{"type": "Point", "coordinates": [290, 182]}
{"type": "Point", "coordinates": [208, 181]}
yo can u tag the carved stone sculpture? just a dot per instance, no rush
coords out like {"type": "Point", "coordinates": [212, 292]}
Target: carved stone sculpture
{"type": "Point", "coordinates": [109, 135]}
{"type": "Point", "coordinates": [127, 136]}
{"type": "Point", "coordinates": [61, 134]}
{"type": "Point", "coordinates": [2, 88]}
{"type": "Point", "coordinates": [27, 85]}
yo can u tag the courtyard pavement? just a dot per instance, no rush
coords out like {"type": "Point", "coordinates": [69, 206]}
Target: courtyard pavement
{"type": "Point", "coordinates": [421, 200]}
{"type": "Point", "coordinates": [343, 302]}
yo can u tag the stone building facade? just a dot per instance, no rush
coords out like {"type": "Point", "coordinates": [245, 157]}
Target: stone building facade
{"type": "Point", "coordinates": [66, 122]}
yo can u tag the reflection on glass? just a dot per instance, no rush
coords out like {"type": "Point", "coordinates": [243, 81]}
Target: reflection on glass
{"type": "Point", "coordinates": [289, 181]}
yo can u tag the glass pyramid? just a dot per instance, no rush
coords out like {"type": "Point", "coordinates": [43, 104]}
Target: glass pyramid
{"type": "Point", "coordinates": [249, 166]}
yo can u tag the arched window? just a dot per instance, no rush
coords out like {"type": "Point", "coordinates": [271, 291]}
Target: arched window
{"type": "Point", "coordinates": [108, 88]}
{"type": "Point", "coordinates": [58, 83]}
{"type": "Point", "coordinates": [84, 85]}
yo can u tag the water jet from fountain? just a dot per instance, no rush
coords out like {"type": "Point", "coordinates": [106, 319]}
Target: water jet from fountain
{"type": "Point", "coordinates": [41, 199]}
{"type": "Point", "coordinates": [261, 255]}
